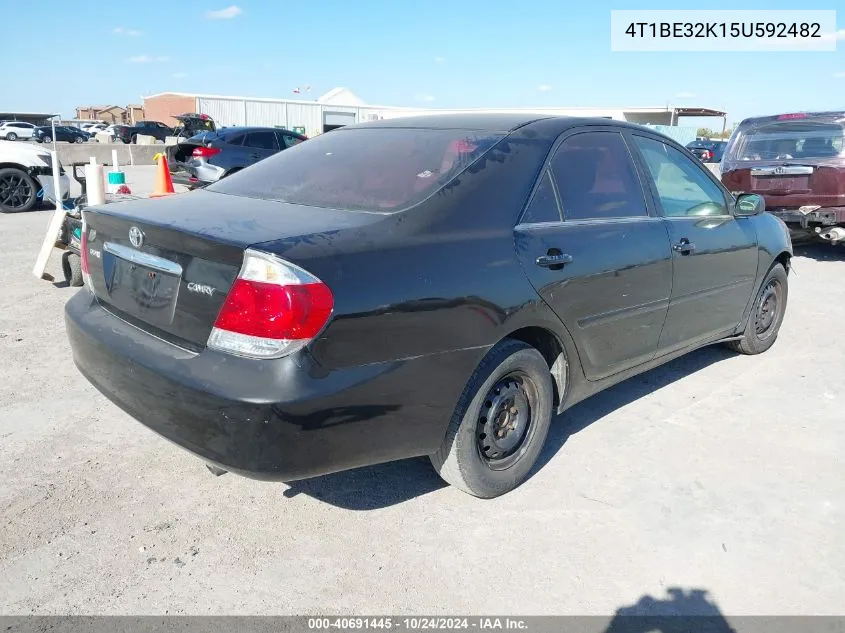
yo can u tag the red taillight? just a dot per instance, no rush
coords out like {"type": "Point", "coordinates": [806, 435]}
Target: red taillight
{"type": "Point", "coordinates": [205, 152]}
{"type": "Point", "coordinates": [797, 115]}
{"type": "Point", "coordinates": [273, 309]}
{"type": "Point", "coordinates": [267, 310]}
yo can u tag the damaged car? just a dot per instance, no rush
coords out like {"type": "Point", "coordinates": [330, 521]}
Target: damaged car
{"type": "Point", "coordinates": [26, 175]}
{"type": "Point", "coordinates": [796, 162]}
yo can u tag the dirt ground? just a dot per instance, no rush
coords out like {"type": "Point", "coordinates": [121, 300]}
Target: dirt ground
{"type": "Point", "coordinates": [717, 472]}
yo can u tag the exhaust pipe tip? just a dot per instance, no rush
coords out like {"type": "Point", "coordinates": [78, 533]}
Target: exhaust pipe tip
{"type": "Point", "coordinates": [835, 234]}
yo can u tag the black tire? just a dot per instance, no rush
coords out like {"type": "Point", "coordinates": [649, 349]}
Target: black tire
{"type": "Point", "coordinates": [72, 269]}
{"type": "Point", "coordinates": [11, 136]}
{"type": "Point", "coordinates": [767, 313]}
{"type": "Point", "coordinates": [134, 139]}
{"type": "Point", "coordinates": [18, 191]}
{"type": "Point", "coordinates": [79, 139]}
{"type": "Point", "coordinates": [462, 459]}
{"type": "Point", "coordinates": [46, 139]}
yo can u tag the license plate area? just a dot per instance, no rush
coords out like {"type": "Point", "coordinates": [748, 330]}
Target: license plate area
{"type": "Point", "coordinates": [140, 284]}
{"type": "Point", "coordinates": [797, 184]}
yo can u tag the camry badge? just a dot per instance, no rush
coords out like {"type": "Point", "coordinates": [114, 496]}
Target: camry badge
{"type": "Point", "coordinates": [136, 237]}
{"type": "Point", "coordinates": [201, 288]}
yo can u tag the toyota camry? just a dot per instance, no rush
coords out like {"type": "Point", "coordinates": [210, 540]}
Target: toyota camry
{"type": "Point", "coordinates": [436, 286]}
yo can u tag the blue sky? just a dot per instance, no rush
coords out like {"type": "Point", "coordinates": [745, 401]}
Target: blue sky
{"type": "Point", "coordinates": [437, 53]}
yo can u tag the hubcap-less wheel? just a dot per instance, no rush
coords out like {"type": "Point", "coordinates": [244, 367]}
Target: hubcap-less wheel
{"type": "Point", "coordinates": [505, 420]}
{"type": "Point", "coordinates": [767, 309]}
{"type": "Point", "coordinates": [15, 191]}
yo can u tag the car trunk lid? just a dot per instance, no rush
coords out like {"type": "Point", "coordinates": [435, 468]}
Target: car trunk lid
{"type": "Point", "coordinates": [167, 265]}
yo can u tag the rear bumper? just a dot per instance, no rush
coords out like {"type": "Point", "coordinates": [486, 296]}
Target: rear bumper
{"type": "Point", "coordinates": [193, 176]}
{"type": "Point", "coordinates": [182, 177]}
{"type": "Point", "coordinates": [827, 216]}
{"type": "Point", "coordinates": [284, 419]}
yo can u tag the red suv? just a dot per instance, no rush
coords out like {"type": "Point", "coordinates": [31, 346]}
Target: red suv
{"type": "Point", "coordinates": [797, 163]}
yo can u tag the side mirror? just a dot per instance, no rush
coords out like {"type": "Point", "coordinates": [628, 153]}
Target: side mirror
{"type": "Point", "coordinates": [749, 204]}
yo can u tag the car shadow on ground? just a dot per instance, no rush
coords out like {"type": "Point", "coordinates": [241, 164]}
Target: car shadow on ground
{"type": "Point", "coordinates": [819, 251]}
{"type": "Point", "coordinates": [683, 611]}
{"type": "Point", "coordinates": [389, 484]}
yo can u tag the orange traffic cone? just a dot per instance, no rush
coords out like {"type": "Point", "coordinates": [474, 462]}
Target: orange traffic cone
{"type": "Point", "coordinates": [164, 183]}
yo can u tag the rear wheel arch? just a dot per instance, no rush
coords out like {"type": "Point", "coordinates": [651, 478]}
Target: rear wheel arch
{"type": "Point", "coordinates": [560, 354]}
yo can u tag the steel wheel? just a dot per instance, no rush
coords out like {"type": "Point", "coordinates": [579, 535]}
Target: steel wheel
{"type": "Point", "coordinates": [500, 422]}
{"type": "Point", "coordinates": [505, 420]}
{"type": "Point", "coordinates": [768, 308]}
{"type": "Point", "coordinates": [17, 190]}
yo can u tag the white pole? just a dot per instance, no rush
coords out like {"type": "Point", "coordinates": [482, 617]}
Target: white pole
{"type": "Point", "coordinates": [55, 224]}
{"type": "Point", "coordinates": [53, 123]}
{"type": "Point", "coordinates": [114, 159]}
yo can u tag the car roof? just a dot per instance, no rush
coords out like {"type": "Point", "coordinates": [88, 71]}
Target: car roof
{"type": "Point", "coordinates": [829, 115]}
{"type": "Point", "coordinates": [247, 128]}
{"type": "Point", "coordinates": [494, 122]}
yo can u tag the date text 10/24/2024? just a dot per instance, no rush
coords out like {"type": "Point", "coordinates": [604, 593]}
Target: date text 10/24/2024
{"type": "Point", "coordinates": [416, 623]}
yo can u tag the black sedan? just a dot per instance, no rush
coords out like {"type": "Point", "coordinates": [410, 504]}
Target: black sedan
{"type": "Point", "coordinates": [440, 285]}
{"type": "Point", "coordinates": [66, 133]}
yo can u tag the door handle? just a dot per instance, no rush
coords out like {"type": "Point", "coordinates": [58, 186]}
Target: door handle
{"type": "Point", "coordinates": [684, 247]}
{"type": "Point", "coordinates": [547, 261]}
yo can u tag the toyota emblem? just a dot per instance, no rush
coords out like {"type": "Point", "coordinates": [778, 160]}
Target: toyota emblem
{"type": "Point", "coordinates": [136, 237]}
{"type": "Point", "coordinates": [779, 170]}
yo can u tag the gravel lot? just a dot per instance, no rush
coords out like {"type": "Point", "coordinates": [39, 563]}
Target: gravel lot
{"type": "Point", "coordinates": [717, 472]}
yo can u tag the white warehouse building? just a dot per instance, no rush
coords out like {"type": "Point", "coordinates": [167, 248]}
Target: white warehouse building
{"type": "Point", "coordinates": [341, 107]}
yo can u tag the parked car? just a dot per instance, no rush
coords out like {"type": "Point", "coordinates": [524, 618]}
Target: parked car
{"type": "Point", "coordinates": [210, 156]}
{"type": "Point", "coordinates": [797, 163]}
{"type": "Point", "coordinates": [437, 285]}
{"type": "Point", "coordinates": [708, 151]}
{"type": "Point", "coordinates": [93, 128]}
{"type": "Point", "coordinates": [14, 130]}
{"type": "Point", "coordinates": [26, 170]}
{"type": "Point", "coordinates": [129, 133]}
{"type": "Point", "coordinates": [67, 133]}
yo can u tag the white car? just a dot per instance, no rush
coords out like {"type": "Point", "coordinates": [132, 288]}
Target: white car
{"type": "Point", "coordinates": [25, 171]}
{"type": "Point", "coordinates": [13, 130]}
{"type": "Point", "coordinates": [93, 128]}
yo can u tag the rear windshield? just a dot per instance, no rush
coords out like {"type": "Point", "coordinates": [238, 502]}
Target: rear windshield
{"type": "Point", "coordinates": [362, 169]}
{"type": "Point", "coordinates": [791, 140]}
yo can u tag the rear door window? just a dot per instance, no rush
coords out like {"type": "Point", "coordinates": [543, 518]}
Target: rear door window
{"type": "Point", "coordinates": [234, 139]}
{"type": "Point", "coordinates": [363, 169]}
{"type": "Point", "coordinates": [262, 140]}
{"type": "Point", "coordinates": [543, 206]}
{"type": "Point", "coordinates": [596, 179]}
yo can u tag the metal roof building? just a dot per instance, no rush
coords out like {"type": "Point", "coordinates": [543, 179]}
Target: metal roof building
{"type": "Point", "coordinates": [341, 106]}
